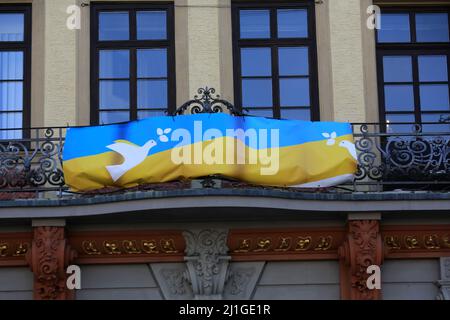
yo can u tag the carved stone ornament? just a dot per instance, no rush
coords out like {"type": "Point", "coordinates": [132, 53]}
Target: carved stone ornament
{"type": "Point", "coordinates": [242, 279]}
{"type": "Point", "coordinates": [362, 248]}
{"type": "Point", "coordinates": [173, 281]}
{"type": "Point", "coordinates": [176, 281]}
{"type": "Point", "coordinates": [49, 256]}
{"type": "Point", "coordinates": [444, 283]}
{"type": "Point", "coordinates": [207, 262]}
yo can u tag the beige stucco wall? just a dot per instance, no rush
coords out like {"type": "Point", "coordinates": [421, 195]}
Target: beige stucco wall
{"type": "Point", "coordinates": [324, 60]}
{"type": "Point", "coordinates": [347, 60]}
{"type": "Point", "coordinates": [210, 46]}
{"type": "Point", "coordinates": [60, 66]}
{"type": "Point", "coordinates": [203, 43]}
{"type": "Point", "coordinates": [370, 66]}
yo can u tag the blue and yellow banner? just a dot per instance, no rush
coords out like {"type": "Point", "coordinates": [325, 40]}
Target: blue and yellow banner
{"type": "Point", "coordinates": [250, 149]}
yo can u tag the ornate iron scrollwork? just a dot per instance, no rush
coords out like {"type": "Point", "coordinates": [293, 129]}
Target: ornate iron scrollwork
{"type": "Point", "coordinates": [410, 160]}
{"type": "Point", "coordinates": [30, 164]}
{"type": "Point", "coordinates": [414, 157]}
{"type": "Point", "coordinates": [207, 103]}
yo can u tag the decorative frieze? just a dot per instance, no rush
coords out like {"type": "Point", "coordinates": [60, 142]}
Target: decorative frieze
{"type": "Point", "coordinates": [127, 246]}
{"type": "Point", "coordinates": [416, 241]}
{"type": "Point", "coordinates": [216, 264]}
{"type": "Point", "coordinates": [13, 248]}
{"type": "Point", "coordinates": [247, 245]}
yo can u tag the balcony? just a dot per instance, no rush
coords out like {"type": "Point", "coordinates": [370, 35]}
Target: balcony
{"type": "Point", "coordinates": [31, 167]}
{"type": "Point", "coordinates": [415, 159]}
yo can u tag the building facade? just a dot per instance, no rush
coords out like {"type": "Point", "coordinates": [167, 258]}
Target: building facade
{"type": "Point", "coordinates": [78, 63]}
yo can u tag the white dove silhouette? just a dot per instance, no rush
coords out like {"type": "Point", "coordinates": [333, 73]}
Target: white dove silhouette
{"type": "Point", "coordinates": [350, 148]}
{"type": "Point", "coordinates": [133, 155]}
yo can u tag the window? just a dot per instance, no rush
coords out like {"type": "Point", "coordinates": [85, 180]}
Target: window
{"type": "Point", "coordinates": [275, 59]}
{"type": "Point", "coordinates": [133, 72]}
{"type": "Point", "coordinates": [15, 61]}
{"type": "Point", "coordinates": [413, 49]}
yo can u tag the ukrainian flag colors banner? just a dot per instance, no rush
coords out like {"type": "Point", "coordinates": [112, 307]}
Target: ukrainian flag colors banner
{"type": "Point", "coordinates": [251, 149]}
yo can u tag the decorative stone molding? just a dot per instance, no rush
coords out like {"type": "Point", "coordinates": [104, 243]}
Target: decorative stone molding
{"type": "Point", "coordinates": [444, 283]}
{"type": "Point", "coordinates": [207, 262]}
{"type": "Point", "coordinates": [361, 249]}
{"type": "Point", "coordinates": [176, 279]}
{"type": "Point", "coordinates": [242, 279]}
{"type": "Point", "coordinates": [173, 280]}
{"type": "Point", "coordinates": [49, 256]}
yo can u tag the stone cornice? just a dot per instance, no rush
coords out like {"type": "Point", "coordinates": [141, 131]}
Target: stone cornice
{"type": "Point", "coordinates": [226, 198]}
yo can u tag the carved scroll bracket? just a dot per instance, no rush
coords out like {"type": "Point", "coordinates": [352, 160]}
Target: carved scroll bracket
{"type": "Point", "coordinates": [362, 248]}
{"type": "Point", "coordinates": [207, 263]}
{"type": "Point", "coordinates": [49, 256]}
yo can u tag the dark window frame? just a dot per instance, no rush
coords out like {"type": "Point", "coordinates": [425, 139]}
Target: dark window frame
{"type": "Point", "coordinates": [274, 43]}
{"type": "Point", "coordinates": [25, 47]}
{"type": "Point", "coordinates": [413, 49]}
{"type": "Point", "coordinates": [132, 45]}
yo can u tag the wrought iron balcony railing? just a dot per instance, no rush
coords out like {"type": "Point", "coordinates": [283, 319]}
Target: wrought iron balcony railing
{"type": "Point", "coordinates": [417, 157]}
{"type": "Point", "coordinates": [31, 161]}
{"type": "Point", "coordinates": [414, 160]}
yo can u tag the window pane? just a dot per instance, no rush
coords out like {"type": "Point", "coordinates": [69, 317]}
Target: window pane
{"type": "Point", "coordinates": [255, 24]}
{"type": "Point", "coordinates": [444, 127]}
{"type": "Point", "coordinates": [394, 28]}
{"type": "Point", "coordinates": [294, 92]}
{"type": "Point", "coordinates": [142, 114]}
{"type": "Point", "coordinates": [292, 23]}
{"type": "Point", "coordinates": [11, 65]}
{"type": "Point", "coordinates": [107, 117]}
{"type": "Point", "coordinates": [397, 69]}
{"type": "Point", "coordinates": [113, 26]}
{"type": "Point", "coordinates": [256, 62]}
{"type": "Point", "coordinates": [11, 26]}
{"type": "Point", "coordinates": [11, 120]}
{"type": "Point", "coordinates": [399, 98]}
{"type": "Point", "coordinates": [257, 92]}
{"type": "Point", "coordinates": [151, 25]}
{"type": "Point", "coordinates": [400, 118]}
{"type": "Point", "coordinates": [434, 97]}
{"type": "Point", "coordinates": [432, 27]}
{"type": "Point", "coordinates": [265, 113]}
{"type": "Point", "coordinates": [114, 94]}
{"type": "Point", "coordinates": [152, 63]}
{"type": "Point", "coordinates": [152, 94]}
{"type": "Point", "coordinates": [293, 61]}
{"type": "Point", "coordinates": [10, 134]}
{"type": "Point", "coordinates": [114, 64]}
{"type": "Point", "coordinates": [433, 68]}
{"type": "Point", "coordinates": [11, 96]}
{"type": "Point", "coordinates": [296, 114]}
